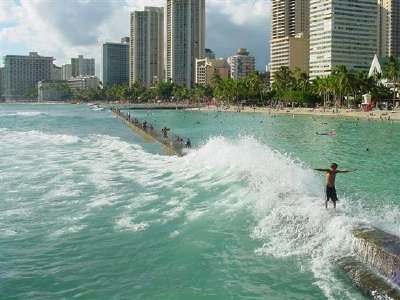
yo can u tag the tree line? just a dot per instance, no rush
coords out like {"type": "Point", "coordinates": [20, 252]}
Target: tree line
{"type": "Point", "coordinates": [342, 87]}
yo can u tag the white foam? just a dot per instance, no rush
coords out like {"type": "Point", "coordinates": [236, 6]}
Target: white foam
{"type": "Point", "coordinates": [28, 113]}
{"type": "Point", "coordinates": [68, 230]}
{"type": "Point", "coordinates": [126, 223]}
{"type": "Point", "coordinates": [286, 200]}
{"type": "Point", "coordinates": [24, 138]}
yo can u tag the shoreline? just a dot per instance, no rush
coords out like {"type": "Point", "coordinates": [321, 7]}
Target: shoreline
{"type": "Point", "coordinates": [375, 115]}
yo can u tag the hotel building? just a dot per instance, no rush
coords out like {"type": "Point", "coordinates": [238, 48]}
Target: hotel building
{"type": "Point", "coordinates": [115, 63]}
{"type": "Point", "coordinates": [289, 44]}
{"type": "Point", "coordinates": [185, 39]}
{"type": "Point", "coordinates": [23, 72]}
{"type": "Point", "coordinates": [242, 64]}
{"type": "Point", "coordinates": [388, 28]}
{"type": "Point", "coordinates": [206, 68]}
{"type": "Point", "coordinates": [82, 66]}
{"type": "Point", "coordinates": [66, 71]}
{"type": "Point", "coordinates": [147, 46]}
{"type": "Point", "coordinates": [342, 32]}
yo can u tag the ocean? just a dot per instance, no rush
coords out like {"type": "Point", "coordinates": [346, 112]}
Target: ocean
{"type": "Point", "coordinates": [90, 210]}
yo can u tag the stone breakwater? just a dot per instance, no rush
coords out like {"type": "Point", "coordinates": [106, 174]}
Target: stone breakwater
{"type": "Point", "coordinates": [375, 267]}
{"type": "Point", "coordinates": [151, 135]}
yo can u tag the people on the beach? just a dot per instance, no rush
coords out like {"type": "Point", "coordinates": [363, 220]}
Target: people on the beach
{"type": "Point", "coordinates": [330, 183]}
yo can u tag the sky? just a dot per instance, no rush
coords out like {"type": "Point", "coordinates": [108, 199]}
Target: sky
{"type": "Point", "coordinates": [68, 28]}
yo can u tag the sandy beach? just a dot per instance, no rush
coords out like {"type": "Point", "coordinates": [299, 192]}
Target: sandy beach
{"type": "Point", "coordinates": [374, 115]}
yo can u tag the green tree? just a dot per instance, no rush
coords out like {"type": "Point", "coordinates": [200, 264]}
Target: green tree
{"type": "Point", "coordinates": [391, 71]}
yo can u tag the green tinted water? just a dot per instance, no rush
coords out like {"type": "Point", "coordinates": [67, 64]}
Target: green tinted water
{"type": "Point", "coordinates": [90, 210]}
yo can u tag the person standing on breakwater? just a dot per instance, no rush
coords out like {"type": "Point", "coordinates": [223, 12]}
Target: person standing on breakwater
{"type": "Point", "coordinates": [165, 132]}
{"type": "Point", "coordinates": [330, 183]}
{"type": "Point", "coordinates": [188, 143]}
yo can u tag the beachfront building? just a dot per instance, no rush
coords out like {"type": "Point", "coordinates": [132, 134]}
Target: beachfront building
{"type": "Point", "coordinates": [185, 39]}
{"type": "Point", "coordinates": [56, 72]}
{"type": "Point", "coordinates": [342, 32]}
{"type": "Point", "coordinates": [147, 46]}
{"type": "Point", "coordinates": [388, 28]}
{"type": "Point", "coordinates": [53, 90]}
{"type": "Point", "coordinates": [115, 63]}
{"type": "Point", "coordinates": [82, 83]}
{"type": "Point", "coordinates": [289, 44]}
{"type": "Point", "coordinates": [242, 64]}
{"type": "Point", "coordinates": [66, 71]}
{"type": "Point", "coordinates": [206, 68]}
{"type": "Point", "coordinates": [1, 83]}
{"type": "Point", "coordinates": [23, 72]}
{"type": "Point", "coordinates": [82, 66]}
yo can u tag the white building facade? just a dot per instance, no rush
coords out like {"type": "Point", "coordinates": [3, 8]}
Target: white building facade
{"type": "Point", "coordinates": [66, 71]}
{"type": "Point", "coordinates": [242, 64]}
{"type": "Point", "coordinates": [342, 32]}
{"type": "Point", "coordinates": [147, 46]}
{"type": "Point", "coordinates": [82, 66]}
{"type": "Point", "coordinates": [185, 39]}
{"type": "Point", "coordinates": [388, 28]}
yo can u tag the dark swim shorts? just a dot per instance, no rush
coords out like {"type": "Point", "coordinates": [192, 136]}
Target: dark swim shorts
{"type": "Point", "coordinates": [331, 193]}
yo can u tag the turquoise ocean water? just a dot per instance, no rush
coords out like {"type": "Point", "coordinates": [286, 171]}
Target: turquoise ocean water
{"type": "Point", "coordinates": [89, 210]}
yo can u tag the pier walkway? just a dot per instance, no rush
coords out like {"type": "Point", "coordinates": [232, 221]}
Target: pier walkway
{"type": "Point", "coordinates": [169, 146]}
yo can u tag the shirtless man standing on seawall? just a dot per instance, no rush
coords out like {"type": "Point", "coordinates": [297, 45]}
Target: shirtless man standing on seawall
{"type": "Point", "coordinates": [330, 182]}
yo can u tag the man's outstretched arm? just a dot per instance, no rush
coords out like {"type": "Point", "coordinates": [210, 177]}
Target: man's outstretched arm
{"type": "Point", "coordinates": [323, 170]}
{"type": "Point", "coordinates": [346, 171]}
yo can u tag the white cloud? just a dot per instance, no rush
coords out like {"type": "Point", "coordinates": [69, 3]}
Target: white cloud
{"type": "Point", "coordinates": [65, 29]}
{"type": "Point", "coordinates": [242, 12]}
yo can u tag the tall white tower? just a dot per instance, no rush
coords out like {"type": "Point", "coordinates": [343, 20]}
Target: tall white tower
{"type": "Point", "coordinates": [289, 44]}
{"type": "Point", "coordinates": [185, 39]}
{"type": "Point", "coordinates": [388, 28]}
{"type": "Point", "coordinates": [342, 32]}
{"type": "Point", "coordinates": [146, 56]}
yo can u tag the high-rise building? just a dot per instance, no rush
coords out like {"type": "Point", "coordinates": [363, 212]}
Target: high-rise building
{"type": "Point", "coordinates": [115, 63]}
{"type": "Point", "coordinates": [23, 72]}
{"type": "Point", "coordinates": [147, 46]}
{"type": "Point", "coordinates": [388, 28]}
{"type": "Point", "coordinates": [82, 66]}
{"type": "Point", "coordinates": [242, 64]}
{"type": "Point", "coordinates": [342, 32]}
{"type": "Point", "coordinates": [206, 68]}
{"type": "Point", "coordinates": [289, 44]}
{"type": "Point", "coordinates": [56, 72]}
{"type": "Point", "coordinates": [185, 39]}
{"type": "Point", "coordinates": [66, 72]}
{"type": "Point", "coordinates": [2, 72]}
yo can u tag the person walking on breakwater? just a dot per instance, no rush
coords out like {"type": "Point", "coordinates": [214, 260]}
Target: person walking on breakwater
{"type": "Point", "coordinates": [330, 183]}
{"type": "Point", "coordinates": [188, 143]}
{"type": "Point", "coordinates": [165, 132]}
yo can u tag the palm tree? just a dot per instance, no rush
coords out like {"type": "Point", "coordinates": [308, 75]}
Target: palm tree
{"type": "Point", "coordinates": [343, 82]}
{"type": "Point", "coordinates": [284, 80]}
{"type": "Point", "coordinates": [392, 73]}
{"type": "Point", "coordinates": [322, 88]}
{"type": "Point", "coordinates": [255, 84]}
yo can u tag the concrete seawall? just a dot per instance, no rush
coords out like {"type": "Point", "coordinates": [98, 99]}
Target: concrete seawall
{"type": "Point", "coordinates": [152, 136]}
{"type": "Point", "coordinates": [375, 267]}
